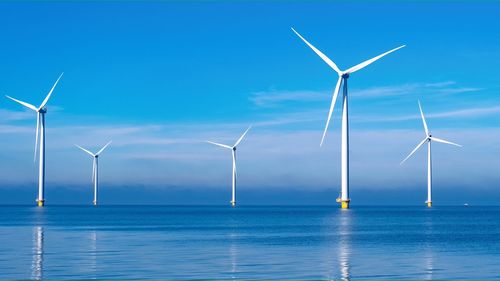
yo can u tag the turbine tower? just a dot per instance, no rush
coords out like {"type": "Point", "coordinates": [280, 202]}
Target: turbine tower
{"type": "Point", "coordinates": [95, 166]}
{"type": "Point", "coordinates": [343, 75]}
{"type": "Point", "coordinates": [233, 150]}
{"type": "Point", "coordinates": [428, 138]}
{"type": "Point", "coordinates": [40, 129]}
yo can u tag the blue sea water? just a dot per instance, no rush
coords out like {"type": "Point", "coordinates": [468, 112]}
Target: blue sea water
{"type": "Point", "coordinates": [249, 243]}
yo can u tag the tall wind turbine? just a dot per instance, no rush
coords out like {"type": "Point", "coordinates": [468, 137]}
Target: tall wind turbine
{"type": "Point", "coordinates": [233, 150]}
{"type": "Point", "coordinates": [40, 128]}
{"type": "Point", "coordinates": [343, 75]}
{"type": "Point", "coordinates": [95, 167]}
{"type": "Point", "coordinates": [428, 138]}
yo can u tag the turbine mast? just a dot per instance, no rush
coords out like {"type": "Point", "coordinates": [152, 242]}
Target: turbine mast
{"type": "Point", "coordinates": [429, 175]}
{"type": "Point", "coordinates": [344, 200]}
{"type": "Point", "coordinates": [41, 167]}
{"type": "Point", "coordinates": [96, 177]}
{"type": "Point", "coordinates": [233, 195]}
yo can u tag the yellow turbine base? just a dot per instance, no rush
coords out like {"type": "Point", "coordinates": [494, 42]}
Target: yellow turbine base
{"type": "Point", "coordinates": [429, 204]}
{"type": "Point", "coordinates": [233, 203]}
{"type": "Point", "coordinates": [344, 204]}
{"type": "Point", "coordinates": [40, 203]}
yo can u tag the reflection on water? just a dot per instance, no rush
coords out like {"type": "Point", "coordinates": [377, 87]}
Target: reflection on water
{"type": "Point", "coordinates": [427, 247]}
{"type": "Point", "coordinates": [233, 254]}
{"type": "Point", "coordinates": [429, 263]}
{"type": "Point", "coordinates": [93, 252]}
{"type": "Point", "coordinates": [37, 263]}
{"type": "Point", "coordinates": [260, 243]}
{"type": "Point", "coordinates": [344, 248]}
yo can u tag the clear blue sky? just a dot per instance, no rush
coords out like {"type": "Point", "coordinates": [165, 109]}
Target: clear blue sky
{"type": "Point", "coordinates": [160, 78]}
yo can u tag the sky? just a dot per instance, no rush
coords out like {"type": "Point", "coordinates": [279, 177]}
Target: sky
{"type": "Point", "coordinates": [160, 78]}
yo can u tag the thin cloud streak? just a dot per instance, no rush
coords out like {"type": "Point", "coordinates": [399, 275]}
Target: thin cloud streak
{"type": "Point", "coordinates": [447, 87]}
{"type": "Point", "coordinates": [10, 115]}
{"type": "Point", "coordinates": [470, 113]}
{"type": "Point", "coordinates": [274, 98]}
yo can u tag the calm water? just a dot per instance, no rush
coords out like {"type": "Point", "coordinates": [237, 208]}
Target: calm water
{"type": "Point", "coordinates": [300, 243]}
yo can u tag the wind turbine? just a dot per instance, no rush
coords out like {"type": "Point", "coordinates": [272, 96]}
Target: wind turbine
{"type": "Point", "coordinates": [343, 75]}
{"type": "Point", "coordinates": [40, 128]}
{"type": "Point", "coordinates": [233, 150]}
{"type": "Point", "coordinates": [428, 138]}
{"type": "Point", "coordinates": [95, 165]}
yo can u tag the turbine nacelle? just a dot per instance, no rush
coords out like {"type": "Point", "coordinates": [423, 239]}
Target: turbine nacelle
{"type": "Point", "coordinates": [343, 74]}
{"type": "Point", "coordinates": [235, 145]}
{"type": "Point", "coordinates": [39, 110]}
{"type": "Point", "coordinates": [428, 136]}
{"type": "Point", "coordinates": [95, 156]}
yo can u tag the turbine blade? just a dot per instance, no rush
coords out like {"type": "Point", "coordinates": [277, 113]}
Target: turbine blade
{"type": "Point", "coordinates": [50, 93]}
{"type": "Point", "coordinates": [220, 144]}
{"type": "Point", "coordinates": [332, 106]}
{"type": "Point", "coordinates": [418, 146]}
{"type": "Point", "coordinates": [30, 106]}
{"type": "Point", "coordinates": [91, 154]}
{"type": "Point", "coordinates": [320, 54]}
{"type": "Point", "coordinates": [104, 147]}
{"type": "Point", "coordinates": [445, 141]}
{"type": "Point", "coordinates": [423, 119]}
{"type": "Point", "coordinates": [37, 131]}
{"type": "Point", "coordinates": [370, 61]}
{"type": "Point", "coordinates": [242, 136]}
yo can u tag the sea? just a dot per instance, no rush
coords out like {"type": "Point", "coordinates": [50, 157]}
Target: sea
{"type": "Point", "coordinates": [249, 243]}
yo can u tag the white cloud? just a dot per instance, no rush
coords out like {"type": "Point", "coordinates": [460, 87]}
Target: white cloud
{"type": "Point", "coordinates": [165, 155]}
{"type": "Point", "coordinates": [282, 149]}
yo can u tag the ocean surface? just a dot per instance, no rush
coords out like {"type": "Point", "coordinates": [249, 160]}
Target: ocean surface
{"type": "Point", "coordinates": [249, 243]}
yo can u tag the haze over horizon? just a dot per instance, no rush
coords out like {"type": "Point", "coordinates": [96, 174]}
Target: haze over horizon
{"type": "Point", "coordinates": [161, 78]}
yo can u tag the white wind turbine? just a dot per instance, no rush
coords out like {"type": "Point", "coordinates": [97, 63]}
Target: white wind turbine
{"type": "Point", "coordinates": [40, 128]}
{"type": "Point", "coordinates": [95, 167]}
{"type": "Point", "coordinates": [428, 138]}
{"type": "Point", "coordinates": [233, 150]}
{"type": "Point", "coordinates": [342, 79]}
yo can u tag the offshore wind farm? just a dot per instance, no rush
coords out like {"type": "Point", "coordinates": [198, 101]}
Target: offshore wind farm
{"type": "Point", "coordinates": [175, 85]}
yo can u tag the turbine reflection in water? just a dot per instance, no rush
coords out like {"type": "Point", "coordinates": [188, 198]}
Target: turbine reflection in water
{"type": "Point", "coordinates": [344, 248]}
{"type": "Point", "coordinates": [428, 249]}
{"type": "Point", "coordinates": [37, 262]}
{"type": "Point", "coordinates": [429, 263]}
{"type": "Point", "coordinates": [233, 254]}
{"type": "Point", "coordinates": [93, 252]}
